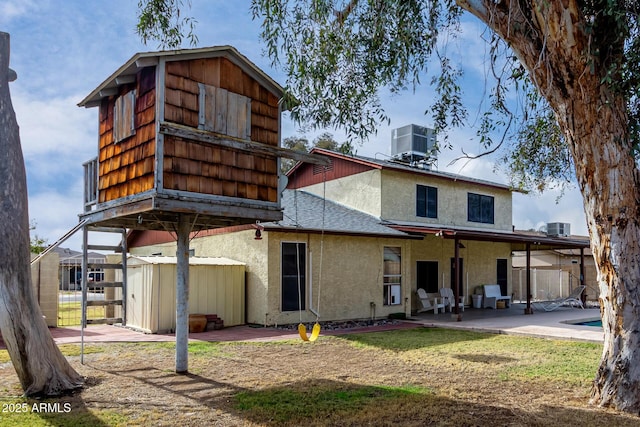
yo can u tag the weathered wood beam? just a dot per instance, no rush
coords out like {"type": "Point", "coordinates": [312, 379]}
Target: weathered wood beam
{"type": "Point", "coordinates": [187, 132]}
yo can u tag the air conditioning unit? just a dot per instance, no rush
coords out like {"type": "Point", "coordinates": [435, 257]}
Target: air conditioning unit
{"type": "Point", "coordinates": [558, 229]}
{"type": "Point", "coordinates": [415, 145]}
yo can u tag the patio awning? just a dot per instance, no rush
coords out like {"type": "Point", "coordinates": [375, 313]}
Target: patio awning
{"type": "Point", "coordinates": [518, 240]}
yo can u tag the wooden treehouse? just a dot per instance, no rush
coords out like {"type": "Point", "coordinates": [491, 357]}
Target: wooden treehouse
{"type": "Point", "coordinates": [192, 133]}
{"type": "Point", "coordinates": [188, 140]}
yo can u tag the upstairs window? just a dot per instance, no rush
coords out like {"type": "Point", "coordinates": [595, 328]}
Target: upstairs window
{"type": "Point", "coordinates": [426, 201]}
{"type": "Point", "coordinates": [124, 113]}
{"type": "Point", "coordinates": [480, 208]}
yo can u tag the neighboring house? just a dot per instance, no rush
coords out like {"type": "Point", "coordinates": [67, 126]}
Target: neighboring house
{"type": "Point", "coordinates": [363, 234]}
{"type": "Point", "coordinates": [70, 271]}
{"type": "Point", "coordinates": [554, 273]}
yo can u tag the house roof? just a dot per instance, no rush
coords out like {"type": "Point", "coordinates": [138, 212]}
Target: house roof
{"type": "Point", "coordinates": [69, 256]}
{"type": "Point", "coordinates": [127, 72]}
{"type": "Point", "coordinates": [361, 163]}
{"type": "Point", "coordinates": [307, 212]}
{"type": "Point", "coordinates": [137, 260]}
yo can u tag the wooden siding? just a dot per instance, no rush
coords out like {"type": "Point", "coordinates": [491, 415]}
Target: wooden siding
{"type": "Point", "coordinates": [181, 103]}
{"type": "Point", "coordinates": [126, 167]}
{"type": "Point", "coordinates": [309, 174]}
{"type": "Point", "coordinates": [208, 169]}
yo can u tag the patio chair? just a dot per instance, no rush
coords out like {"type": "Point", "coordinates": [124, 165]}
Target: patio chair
{"type": "Point", "coordinates": [429, 302]}
{"type": "Point", "coordinates": [448, 299]}
{"type": "Point", "coordinates": [573, 299]}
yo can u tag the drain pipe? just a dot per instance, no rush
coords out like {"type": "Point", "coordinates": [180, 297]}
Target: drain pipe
{"type": "Point", "coordinates": [372, 310]}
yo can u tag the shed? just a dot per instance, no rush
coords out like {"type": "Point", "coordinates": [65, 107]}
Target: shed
{"type": "Point", "coordinates": [217, 286]}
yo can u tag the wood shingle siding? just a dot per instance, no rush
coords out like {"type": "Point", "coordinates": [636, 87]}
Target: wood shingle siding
{"type": "Point", "coordinates": [235, 105]}
{"type": "Point", "coordinates": [126, 165]}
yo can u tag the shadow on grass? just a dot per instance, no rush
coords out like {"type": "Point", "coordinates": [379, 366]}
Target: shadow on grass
{"type": "Point", "coordinates": [490, 359]}
{"type": "Point", "coordinates": [320, 402]}
{"type": "Point", "coordinates": [327, 402]}
{"type": "Point", "coordinates": [68, 410]}
{"type": "Point", "coordinates": [413, 339]}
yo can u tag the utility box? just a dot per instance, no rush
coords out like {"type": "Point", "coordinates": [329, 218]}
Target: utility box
{"type": "Point", "coordinates": [216, 286]}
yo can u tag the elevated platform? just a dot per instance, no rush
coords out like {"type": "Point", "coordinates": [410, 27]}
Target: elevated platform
{"type": "Point", "coordinates": [153, 211]}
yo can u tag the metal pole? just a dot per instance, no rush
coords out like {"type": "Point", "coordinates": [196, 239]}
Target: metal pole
{"type": "Point", "coordinates": [182, 296]}
{"type": "Point", "coordinates": [528, 309]}
{"type": "Point", "coordinates": [83, 281]}
{"type": "Point", "coordinates": [456, 279]}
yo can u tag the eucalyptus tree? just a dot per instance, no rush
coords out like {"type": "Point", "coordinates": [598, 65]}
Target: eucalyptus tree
{"type": "Point", "coordinates": [574, 64]}
{"type": "Point", "coordinates": [41, 367]}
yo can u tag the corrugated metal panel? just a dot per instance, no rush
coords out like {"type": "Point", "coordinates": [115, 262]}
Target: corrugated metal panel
{"type": "Point", "coordinates": [216, 286]}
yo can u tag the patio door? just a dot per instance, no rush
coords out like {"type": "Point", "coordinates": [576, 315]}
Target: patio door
{"type": "Point", "coordinates": [502, 275]}
{"type": "Point", "coordinates": [460, 275]}
{"type": "Point", "coordinates": [427, 276]}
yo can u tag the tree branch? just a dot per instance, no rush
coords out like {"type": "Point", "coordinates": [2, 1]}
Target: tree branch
{"type": "Point", "coordinates": [342, 15]}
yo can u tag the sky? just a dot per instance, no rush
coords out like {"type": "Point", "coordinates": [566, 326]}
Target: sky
{"type": "Point", "coordinates": [63, 49]}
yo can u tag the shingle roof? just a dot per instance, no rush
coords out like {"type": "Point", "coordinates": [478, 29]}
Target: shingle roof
{"type": "Point", "coordinates": [304, 211]}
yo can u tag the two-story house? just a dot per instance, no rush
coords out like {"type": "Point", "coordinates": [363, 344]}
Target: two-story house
{"type": "Point", "coordinates": [360, 236]}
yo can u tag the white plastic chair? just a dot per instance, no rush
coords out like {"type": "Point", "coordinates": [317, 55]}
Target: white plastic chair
{"type": "Point", "coordinates": [448, 299]}
{"type": "Point", "coordinates": [429, 302]}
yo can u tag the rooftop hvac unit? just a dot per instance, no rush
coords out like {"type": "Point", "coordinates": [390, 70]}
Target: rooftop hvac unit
{"type": "Point", "coordinates": [558, 229]}
{"type": "Point", "coordinates": [413, 144]}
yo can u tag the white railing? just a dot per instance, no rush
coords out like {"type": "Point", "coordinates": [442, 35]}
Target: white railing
{"type": "Point", "coordinates": [90, 184]}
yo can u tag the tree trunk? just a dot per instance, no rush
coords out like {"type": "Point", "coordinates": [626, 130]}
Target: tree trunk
{"type": "Point", "coordinates": [40, 366]}
{"type": "Point", "coordinates": [549, 39]}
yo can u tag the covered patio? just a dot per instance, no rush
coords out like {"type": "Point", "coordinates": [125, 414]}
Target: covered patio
{"type": "Point", "coordinates": [559, 324]}
{"type": "Point", "coordinates": [519, 241]}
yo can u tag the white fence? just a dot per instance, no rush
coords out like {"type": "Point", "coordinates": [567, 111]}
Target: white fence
{"type": "Point", "coordinates": [545, 284]}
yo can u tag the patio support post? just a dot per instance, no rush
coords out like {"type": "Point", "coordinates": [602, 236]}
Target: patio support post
{"type": "Point", "coordinates": [182, 296]}
{"type": "Point", "coordinates": [584, 294]}
{"type": "Point", "coordinates": [456, 279]}
{"type": "Point", "coordinates": [528, 309]}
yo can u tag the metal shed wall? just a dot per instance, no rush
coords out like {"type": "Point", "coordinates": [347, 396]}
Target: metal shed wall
{"type": "Point", "coordinates": [216, 286]}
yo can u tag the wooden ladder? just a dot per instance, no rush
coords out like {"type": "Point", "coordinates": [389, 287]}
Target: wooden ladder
{"type": "Point", "coordinates": [105, 286]}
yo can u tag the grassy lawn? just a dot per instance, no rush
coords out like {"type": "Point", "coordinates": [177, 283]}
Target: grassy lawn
{"type": "Point", "coordinates": [70, 313]}
{"type": "Point", "coordinates": [420, 376]}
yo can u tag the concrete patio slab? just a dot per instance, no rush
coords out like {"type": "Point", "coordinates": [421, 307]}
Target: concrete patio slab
{"type": "Point", "coordinates": [559, 323]}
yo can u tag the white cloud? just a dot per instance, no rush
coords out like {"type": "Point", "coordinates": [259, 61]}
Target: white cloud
{"type": "Point", "coordinates": [12, 9]}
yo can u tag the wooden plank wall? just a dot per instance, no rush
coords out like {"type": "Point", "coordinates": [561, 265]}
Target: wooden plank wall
{"type": "Point", "coordinates": [126, 167]}
{"type": "Point", "coordinates": [204, 168]}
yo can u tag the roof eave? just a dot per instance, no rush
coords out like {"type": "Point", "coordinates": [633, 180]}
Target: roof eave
{"type": "Point", "coordinates": [124, 74]}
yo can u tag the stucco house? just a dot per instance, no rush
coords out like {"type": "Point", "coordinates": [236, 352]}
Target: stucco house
{"type": "Point", "coordinates": [360, 236]}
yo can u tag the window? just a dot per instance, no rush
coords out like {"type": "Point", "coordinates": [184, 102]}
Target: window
{"type": "Point", "coordinates": [426, 201]}
{"type": "Point", "coordinates": [293, 271]}
{"type": "Point", "coordinates": [392, 276]}
{"type": "Point", "coordinates": [480, 208]}
{"type": "Point", "coordinates": [224, 112]}
{"type": "Point", "coordinates": [124, 112]}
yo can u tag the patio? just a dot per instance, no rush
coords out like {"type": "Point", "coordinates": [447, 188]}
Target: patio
{"type": "Point", "coordinates": [554, 324]}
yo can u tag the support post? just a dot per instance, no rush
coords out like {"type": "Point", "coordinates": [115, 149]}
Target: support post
{"type": "Point", "coordinates": [456, 279]}
{"type": "Point", "coordinates": [528, 309]}
{"type": "Point", "coordinates": [182, 296]}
